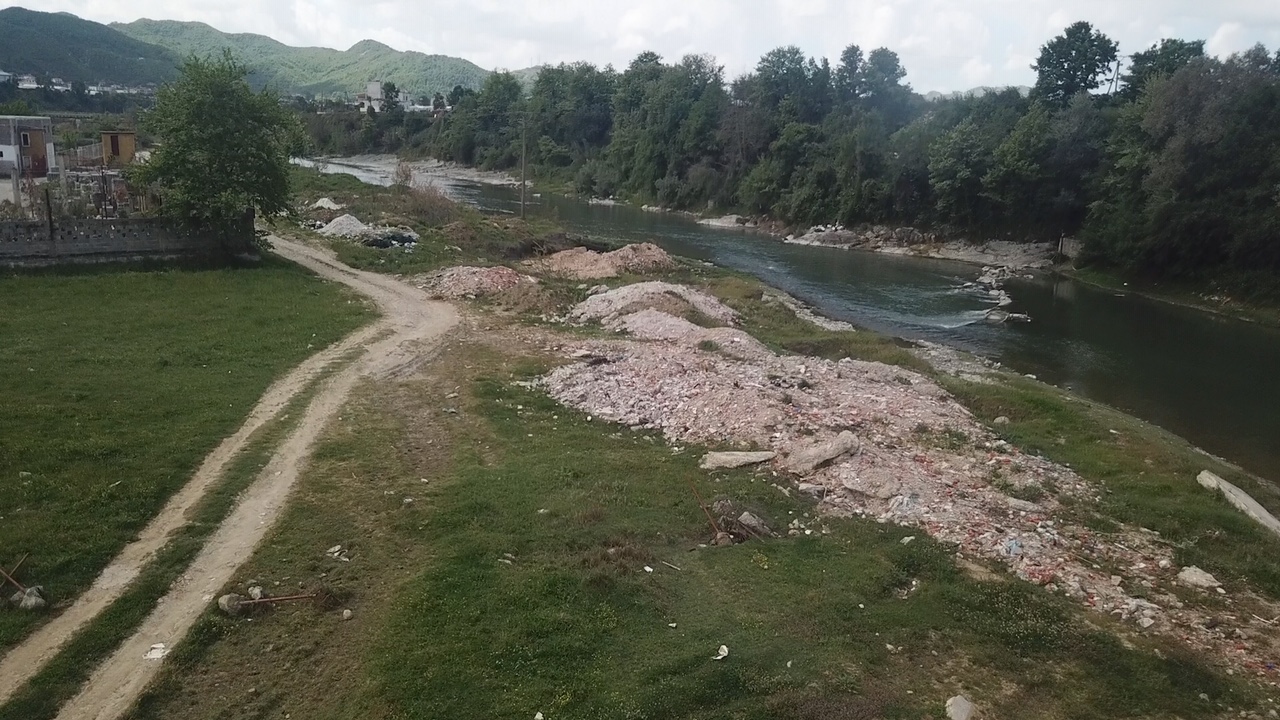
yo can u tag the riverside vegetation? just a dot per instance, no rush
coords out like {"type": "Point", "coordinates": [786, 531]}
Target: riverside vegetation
{"type": "Point", "coordinates": [1164, 172]}
{"type": "Point", "coordinates": [498, 546]}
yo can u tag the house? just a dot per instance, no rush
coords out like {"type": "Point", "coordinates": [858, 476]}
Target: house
{"type": "Point", "coordinates": [371, 97]}
{"type": "Point", "coordinates": [27, 82]}
{"type": "Point", "coordinates": [5, 77]}
{"type": "Point", "coordinates": [118, 147]}
{"type": "Point", "coordinates": [26, 146]}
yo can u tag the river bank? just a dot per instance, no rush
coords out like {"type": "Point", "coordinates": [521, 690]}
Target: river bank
{"type": "Point", "coordinates": [1017, 490]}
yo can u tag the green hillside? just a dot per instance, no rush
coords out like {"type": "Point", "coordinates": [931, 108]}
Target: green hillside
{"type": "Point", "coordinates": [63, 45]}
{"type": "Point", "coordinates": [312, 70]}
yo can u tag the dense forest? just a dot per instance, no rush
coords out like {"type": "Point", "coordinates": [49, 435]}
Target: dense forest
{"type": "Point", "coordinates": [65, 46]}
{"type": "Point", "coordinates": [1170, 167]}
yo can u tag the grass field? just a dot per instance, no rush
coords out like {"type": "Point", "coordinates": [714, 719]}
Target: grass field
{"type": "Point", "coordinates": [117, 384]}
{"type": "Point", "coordinates": [515, 583]}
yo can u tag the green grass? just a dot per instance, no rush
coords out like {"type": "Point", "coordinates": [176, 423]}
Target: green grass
{"type": "Point", "coordinates": [574, 627]}
{"type": "Point", "coordinates": [117, 386]}
{"type": "Point", "coordinates": [63, 676]}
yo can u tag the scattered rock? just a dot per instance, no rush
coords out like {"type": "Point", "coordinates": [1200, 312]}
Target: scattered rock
{"type": "Point", "coordinates": [231, 604]}
{"type": "Point", "coordinates": [156, 652]}
{"type": "Point", "coordinates": [347, 614]}
{"type": "Point", "coordinates": [1146, 622]}
{"type": "Point", "coordinates": [31, 599]}
{"type": "Point", "coordinates": [754, 525]}
{"type": "Point", "coordinates": [1002, 420]}
{"type": "Point", "coordinates": [960, 708]}
{"type": "Point", "coordinates": [731, 460]}
{"type": "Point", "coordinates": [1197, 578]}
{"type": "Point", "coordinates": [256, 593]}
{"type": "Point", "coordinates": [803, 461]}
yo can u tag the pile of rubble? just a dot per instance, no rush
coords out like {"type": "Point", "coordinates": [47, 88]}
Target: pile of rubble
{"type": "Point", "coordinates": [881, 442]}
{"type": "Point", "coordinates": [608, 307]}
{"type": "Point", "coordinates": [583, 264]}
{"type": "Point", "coordinates": [350, 227]}
{"type": "Point", "coordinates": [471, 282]}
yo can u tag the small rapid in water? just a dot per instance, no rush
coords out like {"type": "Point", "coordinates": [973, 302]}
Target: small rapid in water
{"type": "Point", "coordinates": [1207, 378]}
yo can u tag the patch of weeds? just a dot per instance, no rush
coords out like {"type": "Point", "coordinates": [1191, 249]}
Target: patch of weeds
{"type": "Point", "coordinates": [709, 345]}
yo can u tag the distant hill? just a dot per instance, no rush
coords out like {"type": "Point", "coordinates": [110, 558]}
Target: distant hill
{"type": "Point", "coordinates": [977, 92]}
{"type": "Point", "coordinates": [313, 70]}
{"type": "Point", "coordinates": [65, 46]}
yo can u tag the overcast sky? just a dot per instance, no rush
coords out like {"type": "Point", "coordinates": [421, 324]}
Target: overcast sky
{"type": "Point", "coordinates": [944, 44]}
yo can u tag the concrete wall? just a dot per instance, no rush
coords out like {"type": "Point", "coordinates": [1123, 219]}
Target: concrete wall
{"type": "Point", "coordinates": [26, 243]}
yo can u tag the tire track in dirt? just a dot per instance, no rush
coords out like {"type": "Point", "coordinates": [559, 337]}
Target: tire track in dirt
{"type": "Point", "coordinates": [23, 661]}
{"type": "Point", "coordinates": [393, 345]}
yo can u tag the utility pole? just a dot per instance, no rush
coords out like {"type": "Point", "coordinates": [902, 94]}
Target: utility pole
{"type": "Point", "coordinates": [524, 159]}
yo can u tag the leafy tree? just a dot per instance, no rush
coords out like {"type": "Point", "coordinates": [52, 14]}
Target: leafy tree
{"type": "Point", "coordinates": [438, 102]}
{"type": "Point", "coordinates": [390, 97]}
{"type": "Point", "coordinates": [957, 164]}
{"type": "Point", "coordinates": [1017, 175]}
{"type": "Point", "coordinates": [1072, 63]}
{"type": "Point", "coordinates": [1165, 58]}
{"type": "Point", "coordinates": [225, 149]}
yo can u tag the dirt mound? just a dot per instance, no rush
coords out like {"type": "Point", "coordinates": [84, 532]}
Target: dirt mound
{"type": "Point", "coordinates": [461, 282]}
{"type": "Point", "coordinates": [584, 264]}
{"type": "Point", "coordinates": [608, 307]}
{"type": "Point", "coordinates": [652, 324]}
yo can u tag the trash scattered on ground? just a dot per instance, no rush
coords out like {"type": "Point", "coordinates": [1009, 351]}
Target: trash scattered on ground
{"type": "Point", "coordinates": [610, 306]}
{"type": "Point", "coordinates": [337, 552]}
{"type": "Point", "coordinates": [731, 460]}
{"type": "Point", "coordinates": [471, 282]}
{"type": "Point", "coordinates": [897, 449]}
{"type": "Point", "coordinates": [722, 653]}
{"type": "Point", "coordinates": [960, 708]}
{"type": "Point", "coordinates": [325, 203]}
{"type": "Point", "coordinates": [583, 264]}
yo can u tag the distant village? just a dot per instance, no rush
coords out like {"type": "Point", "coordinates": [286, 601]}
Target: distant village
{"type": "Point", "coordinates": [31, 82]}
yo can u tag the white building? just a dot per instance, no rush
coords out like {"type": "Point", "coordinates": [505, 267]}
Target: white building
{"type": "Point", "coordinates": [5, 77]}
{"type": "Point", "coordinates": [371, 97]}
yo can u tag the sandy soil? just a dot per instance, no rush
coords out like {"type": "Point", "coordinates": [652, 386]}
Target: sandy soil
{"type": "Point", "coordinates": [406, 336]}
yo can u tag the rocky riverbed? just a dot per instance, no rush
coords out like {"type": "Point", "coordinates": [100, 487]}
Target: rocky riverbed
{"type": "Point", "coordinates": [910, 241]}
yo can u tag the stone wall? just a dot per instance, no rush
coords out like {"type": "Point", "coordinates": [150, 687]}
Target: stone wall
{"type": "Point", "coordinates": [31, 243]}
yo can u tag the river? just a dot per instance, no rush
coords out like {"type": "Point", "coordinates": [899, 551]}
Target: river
{"type": "Point", "coordinates": [1210, 379]}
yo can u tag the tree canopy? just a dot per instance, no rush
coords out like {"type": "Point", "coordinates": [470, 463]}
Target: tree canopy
{"type": "Point", "coordinates": [1072, 63]}
{"type": "Point", "coordinates": [224, 149]}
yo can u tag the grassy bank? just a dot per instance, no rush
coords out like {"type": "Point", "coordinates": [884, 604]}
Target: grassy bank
{"type": "Point", "coordinates": [1256, 300]}
{"type": "Point", "coordinates": [516, 583]}
{"type": "Point", "coordinates": [119, 384]}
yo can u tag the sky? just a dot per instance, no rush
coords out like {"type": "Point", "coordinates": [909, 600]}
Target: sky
{"type": "Point", "coordinates": [945, 45]}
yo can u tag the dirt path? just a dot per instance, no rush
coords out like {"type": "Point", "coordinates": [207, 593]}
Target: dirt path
{"type": "Point", "coordinates": [394, 345]}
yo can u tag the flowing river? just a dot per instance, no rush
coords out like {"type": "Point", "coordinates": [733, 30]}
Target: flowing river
{"type": "Point", "coordinates": [1210, 379]}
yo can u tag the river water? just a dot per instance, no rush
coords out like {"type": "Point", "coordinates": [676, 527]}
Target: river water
{"type": "Point", "coordinates": [1212, 380]}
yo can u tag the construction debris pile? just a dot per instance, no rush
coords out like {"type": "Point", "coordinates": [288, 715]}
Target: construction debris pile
{"type": "Point", "coordinates": [583, 264]}
{"type": "Point", "coordinates": [471, 282]}
{"type": "Point", "coordinates": [876, 441]}
{"type": "Point", "coordinates": [350, 227]}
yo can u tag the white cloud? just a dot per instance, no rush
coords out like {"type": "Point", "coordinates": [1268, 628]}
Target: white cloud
{"type": "Point", "coordinates": [944, 44]}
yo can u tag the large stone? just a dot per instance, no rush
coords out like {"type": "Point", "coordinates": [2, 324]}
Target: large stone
{"type": "Point", "coordinates": [1241, 500]}
{"type": "Point", "coordinates": [803, 461]}
{"type": "Point", "coordinates": [30, 599]}
{"type": "Point", "coordinates": [731, 460]}
{"type": "Point", "coordinates": [1197, 578]}
{"type": "Point", "coordinates": [755, 525]}
{"type": "Point", "coordinates": [959, 708]}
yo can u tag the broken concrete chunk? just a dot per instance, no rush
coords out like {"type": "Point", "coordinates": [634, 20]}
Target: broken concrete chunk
{"type": "Point", "coordinates": [1022, 505]}
{"type": "Point", "coordinates": [959, 708]}
{"type": "Point", "coordinates": [30, 599]}
{"type": "Point", "coordinates": [805, 460]}
{"type": "Point", "coordinates": [1241, 500]}
{"type": "Point", "coordinates": [1197, 578]}
{"type": "Point", "coordinates": [731, 460]}
{"type": "Point", "coordinates": [755, 525]}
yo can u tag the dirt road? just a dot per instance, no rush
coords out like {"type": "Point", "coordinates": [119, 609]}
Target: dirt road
{"type": "Point", "coordinates": [404, 337]}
